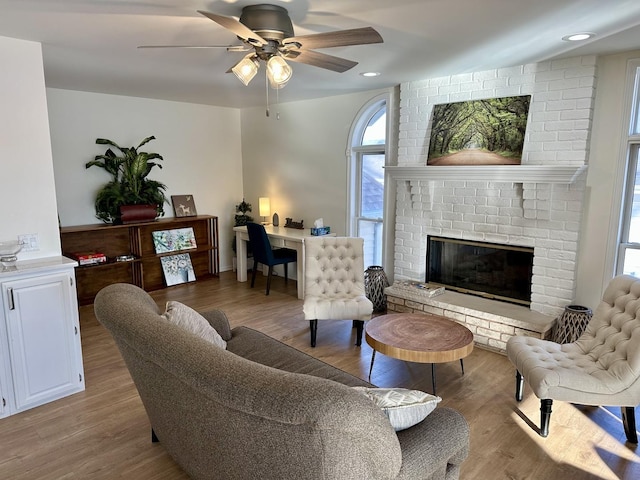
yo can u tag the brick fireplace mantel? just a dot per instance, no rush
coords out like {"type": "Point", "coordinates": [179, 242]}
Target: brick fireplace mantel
{"type": "Point", "coordinates": [496, 173]}
{"type": "Point", "coordinates": [537, 204]}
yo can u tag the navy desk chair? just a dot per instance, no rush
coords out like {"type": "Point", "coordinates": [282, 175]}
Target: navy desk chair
{"type": "Point", "coordinates": [263, 253]}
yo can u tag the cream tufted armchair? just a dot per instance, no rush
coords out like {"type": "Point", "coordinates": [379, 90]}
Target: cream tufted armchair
{"type": "Point", "coordinates": [334, 283]}
{"type": "Point", "coordinates": [602, 367]}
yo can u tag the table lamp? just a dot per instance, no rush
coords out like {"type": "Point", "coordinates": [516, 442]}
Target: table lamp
{"type": "Point", "coordinates": [264, 205]}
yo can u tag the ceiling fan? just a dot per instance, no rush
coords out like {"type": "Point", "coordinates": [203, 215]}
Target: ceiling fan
{"type": "Point", "coordinates": [267, 33]}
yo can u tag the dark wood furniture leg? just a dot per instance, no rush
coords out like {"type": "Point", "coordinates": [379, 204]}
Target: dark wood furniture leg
{"type": "Point", "coordinates": [545, 416]}
{"type": "Point", "coordinates": [253, 273]}
{"type": "Point", "coordinates": [313, 324]}
{"type": "Point", "coordinates": [629, 422]}
{"type": "Point", "coordinates": [519, 386]}
{"type": "Point", "coordinates": [359, 324]}
{"type": "Point", "coordinates": [269, 279]}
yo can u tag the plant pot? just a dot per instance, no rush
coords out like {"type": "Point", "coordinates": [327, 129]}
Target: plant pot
{"type": "Point", "coordinates": [138, 213]}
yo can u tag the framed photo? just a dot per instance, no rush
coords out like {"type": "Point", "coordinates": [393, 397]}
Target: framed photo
{"type": "Point", "coordinates": [479, 132]}
{"type": "Point", "coordinates": [183, 205]}
{"type": "Point", "coordinates": [174, 240]}
{"type": "Point", "coordinates": [177, 269]}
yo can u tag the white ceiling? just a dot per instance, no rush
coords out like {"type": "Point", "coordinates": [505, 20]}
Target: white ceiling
{"type": "Point", "coordinates": [90, 45]}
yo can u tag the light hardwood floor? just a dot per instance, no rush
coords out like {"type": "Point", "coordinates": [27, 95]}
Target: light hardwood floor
{"type": "Point", "coordinates": [103, 433]}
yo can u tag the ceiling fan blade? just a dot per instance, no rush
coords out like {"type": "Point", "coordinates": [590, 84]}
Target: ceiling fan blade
{"type": "Point", "coordinates": [230, 48]}
{"type": "Point", "coordinates": [236, 27]}
{"type": "Point", "coordinates": [321, 60]}
{"type": "Point", "coordinates": [341, 38]}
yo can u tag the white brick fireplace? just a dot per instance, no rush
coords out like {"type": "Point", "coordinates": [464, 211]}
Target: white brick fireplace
{"type": "Point", "coordinates": [537, 204]}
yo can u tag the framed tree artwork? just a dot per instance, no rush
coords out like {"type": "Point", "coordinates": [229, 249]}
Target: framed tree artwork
{"type": "Point", "coordinates": [479, 132]}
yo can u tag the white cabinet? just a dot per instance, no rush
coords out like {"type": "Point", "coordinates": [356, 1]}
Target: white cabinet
{"type": "Point", "coordinates": [40, 348]}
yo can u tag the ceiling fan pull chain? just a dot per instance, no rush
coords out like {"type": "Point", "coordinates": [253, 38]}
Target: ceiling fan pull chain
{"type": "Point", "coordinates": [266, 84]}
{"type": "Point", "coordinates": [277, 104]}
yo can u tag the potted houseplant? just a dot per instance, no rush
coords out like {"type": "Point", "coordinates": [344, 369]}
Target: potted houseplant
{"type": "Point", "coordinates": [241, 219]}
{"type": "Point", "coordinates": [142, 198]}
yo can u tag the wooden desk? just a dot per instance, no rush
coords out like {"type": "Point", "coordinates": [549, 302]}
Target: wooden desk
{"type": "Point", "coordinates": [279, 237]}
{"type": "Point", "coordinates": [422, 338]}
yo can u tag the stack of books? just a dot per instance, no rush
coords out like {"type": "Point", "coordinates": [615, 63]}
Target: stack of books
{"type": "Point", "coordinates": [419, 288]}
{"type": "Point", "coordinates": [90, 258]}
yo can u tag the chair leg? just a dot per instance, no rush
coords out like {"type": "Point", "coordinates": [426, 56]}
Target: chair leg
{"type": "Point", "coordinates": [253, 273]}
{"type": "Point", "coordinates": [154, 439]}
{"type": "Point", "coordinates": [629, 422]}
{"type": "Point", "coordinates": [286, 273]}
{"type": "Point", "coordinates": [519, 386]}
{"type": "Point", "coordinates": [269, 279]}
{"type": "Point", "coordinates": [313, 324]}
{"type": "Point", "coordinates": [360, 328]}
{"type": "Point", "coordinates": [545, 416]}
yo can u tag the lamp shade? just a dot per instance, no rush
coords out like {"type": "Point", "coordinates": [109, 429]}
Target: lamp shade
{"type": "Point", "coordinates": [278, 72]}
{"type": "Point", "coordinates": [245, 69]}
{"type": "Point", "coordinates": [264, 205]}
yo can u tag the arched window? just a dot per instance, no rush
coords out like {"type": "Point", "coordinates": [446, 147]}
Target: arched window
{"type": "Point", "coordinates": [368, 154]}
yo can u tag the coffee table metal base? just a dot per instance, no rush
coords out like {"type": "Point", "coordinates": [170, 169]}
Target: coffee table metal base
{"type": "Point", "coordinates": [433, 370]}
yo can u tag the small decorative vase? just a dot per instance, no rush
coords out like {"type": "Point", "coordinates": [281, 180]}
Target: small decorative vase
{"type": "Point", "coordinates": [570, 325]}
{"type": "Point", "coordinates": [375, 281]}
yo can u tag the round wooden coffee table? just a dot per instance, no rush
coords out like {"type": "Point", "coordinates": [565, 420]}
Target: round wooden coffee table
{"type": "Point", "coordinates": [421, 338]}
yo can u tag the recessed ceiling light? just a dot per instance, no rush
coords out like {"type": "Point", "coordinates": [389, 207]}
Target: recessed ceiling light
{"type": "Point", "coordinates": [370, 74]}
{"type": "Point", "coordinates": [578, 37]}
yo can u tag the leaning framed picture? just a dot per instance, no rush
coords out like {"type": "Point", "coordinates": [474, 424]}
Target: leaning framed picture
{"type": "Point", "coordinates": [177, 269]}
{"type": "Point", "coordinates": [183, 205]}
{"type": "Point", "coordinates": [174, 240]}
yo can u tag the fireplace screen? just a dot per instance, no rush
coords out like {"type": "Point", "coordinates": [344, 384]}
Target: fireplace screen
{"type": "Point", "coordinates": [502, 272]}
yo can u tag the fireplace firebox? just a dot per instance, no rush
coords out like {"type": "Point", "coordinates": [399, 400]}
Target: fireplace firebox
{"type": "Point", "coordinates": [501, 272]}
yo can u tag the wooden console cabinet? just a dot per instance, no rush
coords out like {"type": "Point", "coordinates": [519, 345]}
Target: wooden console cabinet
{"type": "Point", "coordinates": [136, 239]}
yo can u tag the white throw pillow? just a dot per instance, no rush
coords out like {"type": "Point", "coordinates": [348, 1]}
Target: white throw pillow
{"type": "Point", "coordinates": [404, 408]}
{"type": "Point", "coordinates": [190, 320]}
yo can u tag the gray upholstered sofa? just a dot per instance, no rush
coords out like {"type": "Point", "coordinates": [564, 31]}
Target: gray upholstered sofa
{"type": "Point", "coordinates": [262, 409]}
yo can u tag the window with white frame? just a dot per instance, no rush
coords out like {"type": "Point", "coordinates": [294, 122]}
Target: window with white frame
{"type": "Point", "coordinates": [366, 198]}
{"type": "Point", "coordinates": [628, 261]}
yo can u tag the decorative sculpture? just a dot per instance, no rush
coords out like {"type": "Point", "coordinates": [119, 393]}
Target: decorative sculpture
{"type": "Point", "coordinates": [289, 223]}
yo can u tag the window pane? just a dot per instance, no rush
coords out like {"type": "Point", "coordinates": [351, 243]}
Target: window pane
{"type": "Point", "coordinates": [371, 231]}
{"type": "Point", "coordinates": [634, 220]}
{"type": "Point", "coordinates": [376, 130]}
{"type": "Point", "coordinates": [632, 262]}
{"type": "Point", "coordinates": [372, 186]}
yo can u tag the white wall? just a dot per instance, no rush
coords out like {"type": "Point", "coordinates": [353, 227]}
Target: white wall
{"type": "Point", "coordinates": [27, 192]}
{"type": "Point", "coordinates": [300, 161]}
{"type": "Point", "coordinates": [604, 179]}
{"type": "Point", "coordinates": [200, 145]}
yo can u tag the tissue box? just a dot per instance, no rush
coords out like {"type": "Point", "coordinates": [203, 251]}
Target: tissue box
{"type": "Point", "coordinates": [320, 231]}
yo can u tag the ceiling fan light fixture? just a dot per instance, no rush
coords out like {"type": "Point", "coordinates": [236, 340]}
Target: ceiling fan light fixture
{"type": "Point", "coordinates": [278, 72]}
{"type": "Point", "coordinates": [246, 69]}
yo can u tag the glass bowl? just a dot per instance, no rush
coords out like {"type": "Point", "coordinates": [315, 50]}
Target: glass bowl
{"type": "Point", "coordinates": [9, 251]}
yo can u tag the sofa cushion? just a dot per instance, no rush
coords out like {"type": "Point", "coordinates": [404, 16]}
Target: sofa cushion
{"type": "Point", "coordinates": [261, 348]}
{"type": "Point", "coordinates": [404, 408]}
{"type": "Point", "coordinates": [190, 320]}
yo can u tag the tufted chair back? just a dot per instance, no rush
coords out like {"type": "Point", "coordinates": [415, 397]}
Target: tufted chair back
{"type": "Point", "coordinates": [612, 338]}
{"type": "Point", "coordinates": [334, 282]}
{"type": "Point", "coordinates": [334, 266]}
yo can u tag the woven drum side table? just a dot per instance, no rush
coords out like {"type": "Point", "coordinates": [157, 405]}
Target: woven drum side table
{"type": "Point", "coordinates": [571, 323]}
{"type": "Point", "coordinates": [375, 281]}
